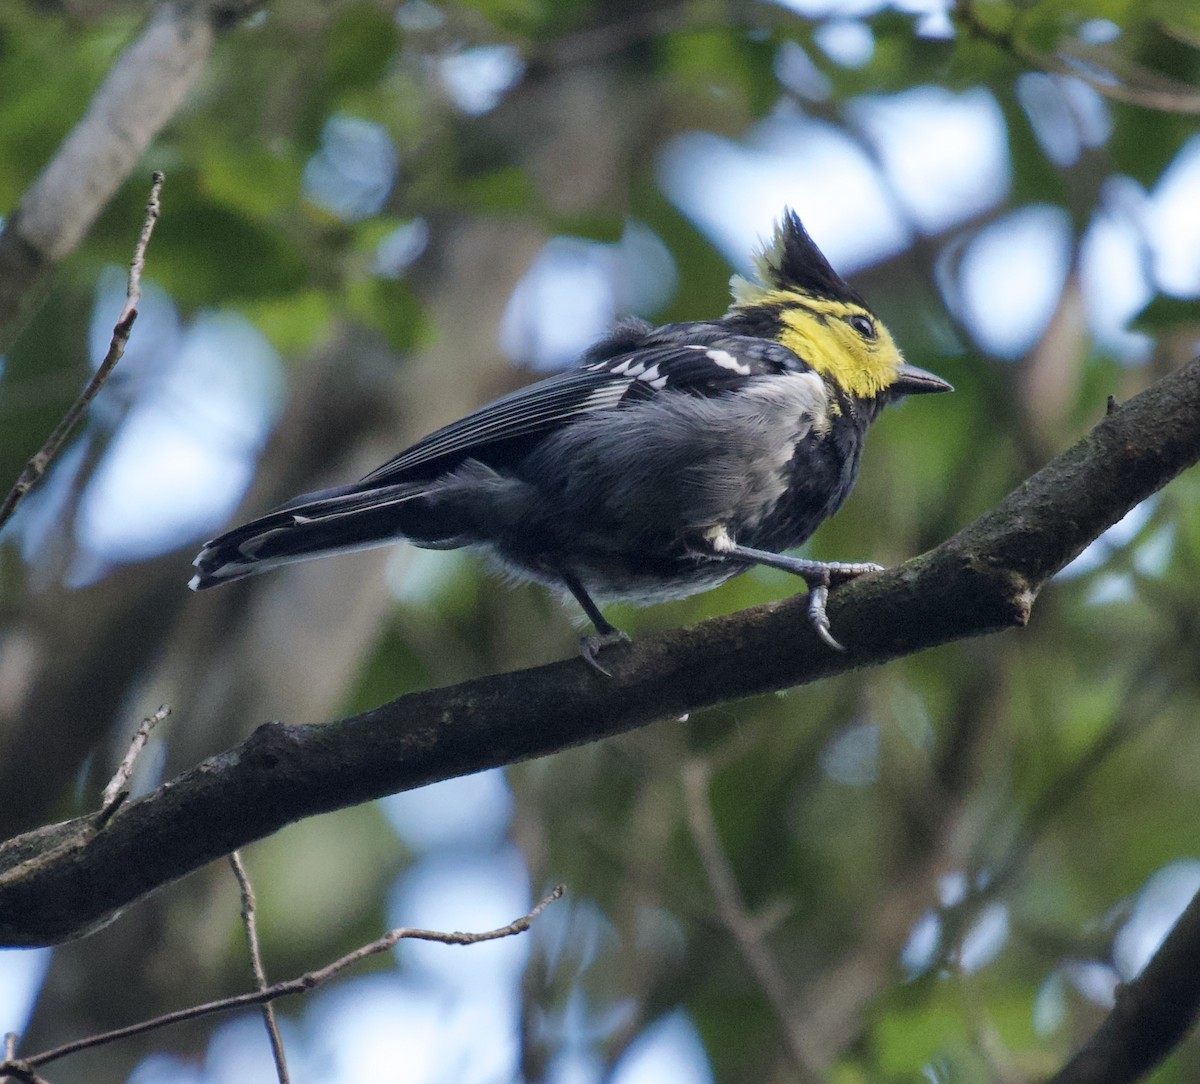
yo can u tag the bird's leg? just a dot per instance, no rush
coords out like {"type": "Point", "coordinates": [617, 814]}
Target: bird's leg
{"type": "Point", "coordinates": [819, 575]}
{"type": "Point", "coordinates": [606, 634]}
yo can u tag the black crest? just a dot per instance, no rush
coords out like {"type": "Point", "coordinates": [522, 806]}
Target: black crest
{"type": "Point", "coordinates": [793, 260]}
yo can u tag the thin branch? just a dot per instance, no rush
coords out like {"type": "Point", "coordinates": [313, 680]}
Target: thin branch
{"type": "Point", "coordinates": [133, 291]}
{"type": "Point", "coordinates": [1151, 1015]}
{"type": "Point", "coordinates": [301, 985]}
{"type": "Point", "coordinates": [12, 1067]}
{"type": "Point", "coordinates": [116, 792]}
{"type": "Point", "coordinates": [1111, 76]}
{"type": "Point", "coordinates": [37, 466]}
{"type": "Point", "coordinates": [20, 1071]}
{"type": "Point", "coordinates": [1079, 62]}
{"type": "Point", "coordinates": [743, 927]}
{"type": "Point", "coordinates": [250, 921]}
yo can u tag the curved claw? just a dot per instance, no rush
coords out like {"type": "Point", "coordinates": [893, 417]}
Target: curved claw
{"type": "Point", "coordinates": [819, 575]}
{"type": "Point", "coordinates": [818, 595]}
{"type": "Point", "coordinates": [591, 646]}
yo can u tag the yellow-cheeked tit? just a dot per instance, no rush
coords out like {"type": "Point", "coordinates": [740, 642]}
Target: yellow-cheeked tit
{"type": "Point", "coordinates": [669, 460]}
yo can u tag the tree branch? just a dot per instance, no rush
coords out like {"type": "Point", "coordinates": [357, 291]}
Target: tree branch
{"type": "Point", "coordinates": [1099, 67]}
{"type": "Point", "coordinates": [1152, 1013]}
{"type": "Point", "coordinates": [116, 792]}
{"type": "Point", "coordinates": [250, 921]}
{"type": "Point", "coordinates": [747, 932]}
{"type": "Point", "coordinates": [22, 1068]}
{"type": "Point", "coordinates": [37, 466]}
{"type": "Point", "coordinates": [60, 881]}
{"type": "Point", "coordinates": [140, 94]}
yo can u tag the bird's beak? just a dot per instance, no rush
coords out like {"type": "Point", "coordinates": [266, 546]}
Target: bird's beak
{"type": "Point", "coordinates": [913, 381]}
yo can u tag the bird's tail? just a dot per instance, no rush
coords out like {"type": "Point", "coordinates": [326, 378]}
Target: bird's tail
{"type": "Point", "coordinates": [318, 524]}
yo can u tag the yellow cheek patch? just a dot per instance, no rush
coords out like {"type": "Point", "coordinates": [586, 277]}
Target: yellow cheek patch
{"type": "Point", "coordinates": [816, 330]}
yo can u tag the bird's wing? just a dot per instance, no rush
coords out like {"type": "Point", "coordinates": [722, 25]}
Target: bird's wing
{"type": "Point", "coordinates": [709, 366]}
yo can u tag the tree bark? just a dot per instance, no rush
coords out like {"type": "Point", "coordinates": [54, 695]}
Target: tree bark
{"type": "Point", "coordinates": [140, 94]}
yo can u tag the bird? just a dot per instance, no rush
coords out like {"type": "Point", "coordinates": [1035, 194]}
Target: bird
{"type": "Point", "coordinates": [667, 461]}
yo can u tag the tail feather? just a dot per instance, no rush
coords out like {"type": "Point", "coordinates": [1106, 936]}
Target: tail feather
{"type": "Point", "coordinates": [330, 521]}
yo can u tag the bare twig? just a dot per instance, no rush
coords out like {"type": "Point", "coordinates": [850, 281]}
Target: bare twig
{"type": "Point", "coordinates": [21, 1068]}
{"type": "Point", "coordinates": [13, 1068]}
{"type": "Point", "coordinates": [250, 921]}
{"type": "Point", "coordinates": [20, 1071]}
{"type": "Point", "coordinates": [133, 292]}
{"type": "Point", "coordinates": [743, 927]}
{"type": "Point", "coordinates": [116, 792]}
{"type": "Point", "coordinates": [36, 467]}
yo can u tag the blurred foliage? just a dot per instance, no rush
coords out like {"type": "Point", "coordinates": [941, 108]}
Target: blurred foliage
{"type": "Point", "coordinates": [1047, 773]}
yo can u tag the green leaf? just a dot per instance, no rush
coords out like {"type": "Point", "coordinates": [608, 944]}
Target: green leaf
{"type": "Point", "coordinates": [506, 189]}
{"type": "Point", "coordinates": [389, 306]}
{"type": "Point", "coordinates": [360, 45]}
{"type": "Point", "coordinates": [1167, 313]}
{"type": "Point", "coordinates": [295, 323]}
{"type": "Point", "coordinates": [255, 180]}
{"type": "Point", "coordinates": [210, 253]}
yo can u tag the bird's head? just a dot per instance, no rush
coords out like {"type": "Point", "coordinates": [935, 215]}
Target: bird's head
{"type": "Point", "coordinates": [821, 319]}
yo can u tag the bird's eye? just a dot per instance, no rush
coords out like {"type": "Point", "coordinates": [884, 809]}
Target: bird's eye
{"type": "Point", "coordinates": [863, 325]}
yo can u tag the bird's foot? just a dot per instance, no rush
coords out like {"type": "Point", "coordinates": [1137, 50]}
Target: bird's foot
{"type": "Point", "coordinates": [591, 646]}
{"type": "Point", "coordinates": [819, 575]}
{"type": "Point", "coordinates": [819, 579]}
